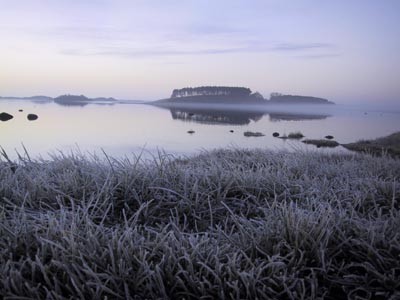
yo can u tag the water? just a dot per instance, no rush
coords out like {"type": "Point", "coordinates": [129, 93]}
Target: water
{"type": "Point", "coordinates": [123, 129]}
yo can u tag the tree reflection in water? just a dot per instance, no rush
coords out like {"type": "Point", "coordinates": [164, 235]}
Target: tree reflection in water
{"type": "Point", "coordinates": [235, 117]}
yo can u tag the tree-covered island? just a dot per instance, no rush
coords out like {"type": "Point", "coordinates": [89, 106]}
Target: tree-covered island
{"type": "Point", "coordinates": [233, 95]}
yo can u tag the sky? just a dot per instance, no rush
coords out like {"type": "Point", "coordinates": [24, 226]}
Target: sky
{"type": "Point", "coordinates": [347, 51]}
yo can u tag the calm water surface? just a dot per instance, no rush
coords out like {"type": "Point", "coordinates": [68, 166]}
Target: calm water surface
{"type": "Point", "coordinates": [123, 129]}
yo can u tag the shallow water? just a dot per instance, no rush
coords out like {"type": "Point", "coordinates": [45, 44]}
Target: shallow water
{"type": "Point", "coordinates": [123, 129]}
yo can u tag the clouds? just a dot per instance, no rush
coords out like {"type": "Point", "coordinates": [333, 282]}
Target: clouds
{"type": "Point", "coordinates": [137, 29]}
{"type": "Point", "coordinates": [283, 47]}
{"type": "Point", "coordinates": [202, 39]}
{"type": "Point", "coordinates": [304, 50]}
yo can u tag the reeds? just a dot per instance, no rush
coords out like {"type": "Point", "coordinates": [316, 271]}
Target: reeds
{"type": "Point", "coordinates": [226, 224]}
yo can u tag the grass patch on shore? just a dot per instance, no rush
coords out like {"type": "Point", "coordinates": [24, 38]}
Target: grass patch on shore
{"type": "Point", "coordinates": [389, 144]}
{"type": "Point", "coordinates": [227, 224]}
{"type": "Point", "coordinates": [293, 136]}
{"type": "Point", "coordinates": [322, 143]}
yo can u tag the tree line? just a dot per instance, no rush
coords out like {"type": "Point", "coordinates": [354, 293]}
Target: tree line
{"type": "Point", "coordinates": [211, 91]}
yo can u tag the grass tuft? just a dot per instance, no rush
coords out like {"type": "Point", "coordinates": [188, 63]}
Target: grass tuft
{"type": "Point", "coordinates": [293, 135]}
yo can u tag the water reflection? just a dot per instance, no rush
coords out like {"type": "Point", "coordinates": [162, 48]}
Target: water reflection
{"type": "Point", "coordinates": [235, 117]}
{"type": "Point", "coordinates": [276, 117]}
{"type": "Point", "coordinates": [81, 104]}
{"type": "Point", "coordinates": [205, 116]}
{"type": "Point", "coordinates": [124, 129]}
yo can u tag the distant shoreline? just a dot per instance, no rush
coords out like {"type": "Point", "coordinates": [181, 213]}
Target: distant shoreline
{"type": "Point", "coordinates": [205, 95]}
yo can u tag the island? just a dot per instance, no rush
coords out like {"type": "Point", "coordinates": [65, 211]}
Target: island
{"type": "Point", "coordinates": [32, 98]}
{"type": "Point", "coordinates": [212, 95]}
{"type": "Point", "coordinates": [278, 98]}
{"type": "Point", "coordinates": [82, 100]}
{"type": "Point", "coordinates": [215, 95]}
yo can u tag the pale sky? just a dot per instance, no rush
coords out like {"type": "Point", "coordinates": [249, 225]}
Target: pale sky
{"type": "Point", "coordinates": [343, 50]}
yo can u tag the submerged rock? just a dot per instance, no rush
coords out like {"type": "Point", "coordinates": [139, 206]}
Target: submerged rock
{"type": "Point", "coordinates": [5, 116]}
{"type": "Point", "coordinates": [250, 133]}
{"type": "Point", "coordinates": [32, 117]}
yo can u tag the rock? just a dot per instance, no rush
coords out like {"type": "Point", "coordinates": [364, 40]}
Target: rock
{"type": "Point", "coordinates": [5, 116]}
{"type": "Point", "coordinates": [20, 110]}
{"type": "Point", "coordinates": [256, 134]}
{"type": "Point", "coordinates": [231, 131]}
{"type": "Point", "coordinates": [32, 117]}
{"type": "Point", "coordinates": [329, 137]}
{"type": "Point", "coordinates": [191, 131]}
{"type": "Point", "coordinates": [275, 134]}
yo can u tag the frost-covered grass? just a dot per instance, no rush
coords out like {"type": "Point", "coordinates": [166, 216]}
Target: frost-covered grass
{"type": "Point", "coordinates": [228, 224]}
{"type": "Point", "coordinates": [389, 144]}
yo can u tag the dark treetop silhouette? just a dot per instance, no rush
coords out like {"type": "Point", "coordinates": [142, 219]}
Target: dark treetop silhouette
{"type": "Point", "coordinates": [212, 91]}
{"type": "Point", "coordinates": [212, 95]}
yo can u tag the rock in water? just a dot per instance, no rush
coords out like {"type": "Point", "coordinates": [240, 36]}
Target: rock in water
{"type": "Point", "coordinates": [32, 117]}
{"type": "Point", "coordinates": [20, 110]}
{"type": "Point", "coordinates": [256, 134]}
{"type": "Point", "coordinates": [329, 137]}
{"type": "Point", "coordinates": [190, 131]}
{"type": "Point", "coordinates": [275, 134]}
{"type": "Point", "coordinates": [5, 116]}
